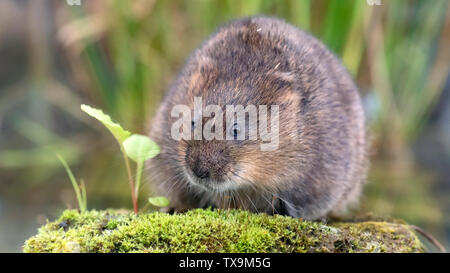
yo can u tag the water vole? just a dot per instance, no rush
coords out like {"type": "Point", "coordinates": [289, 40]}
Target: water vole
{"type": "Point", "coordinates": [318, 165]}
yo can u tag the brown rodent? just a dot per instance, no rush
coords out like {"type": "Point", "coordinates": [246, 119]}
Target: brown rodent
{"type": "Point", "coordinates": [319, 166]}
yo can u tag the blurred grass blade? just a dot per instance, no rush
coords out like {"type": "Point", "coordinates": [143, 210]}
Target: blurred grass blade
{"type": "Point", "coordinates": [81, 197]}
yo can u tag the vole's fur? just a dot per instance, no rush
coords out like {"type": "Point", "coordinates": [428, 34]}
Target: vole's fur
{"type": "Point", "coordinates": [319, 167]}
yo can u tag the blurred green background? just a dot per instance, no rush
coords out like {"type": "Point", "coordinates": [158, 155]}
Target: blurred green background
{"type": "Point", "coordinates": [121, 55]}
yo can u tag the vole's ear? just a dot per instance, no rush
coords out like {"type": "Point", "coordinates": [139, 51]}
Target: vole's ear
{"type": "Point", "coordinates": [285, 83]}
{"type": "Point", "coordinates": [280, 79]}
{"type": "Point", "coordinates": [287, 77]}
{"type": "Point", "coordinates": [281, 73]}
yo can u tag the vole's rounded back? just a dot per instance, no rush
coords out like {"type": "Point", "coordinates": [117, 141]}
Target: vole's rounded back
{"type": "Point", "coordinates": [317, 167]}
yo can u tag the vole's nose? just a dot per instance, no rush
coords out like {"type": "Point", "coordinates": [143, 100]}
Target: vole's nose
{"type": "Point", "coordinates": [200, 172]}
{"type": "Point", "coordinates": [207, 160]}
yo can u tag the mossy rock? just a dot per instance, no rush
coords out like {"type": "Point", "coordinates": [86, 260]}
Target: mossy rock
{"type": "Point", "coordinates": [215, 231]}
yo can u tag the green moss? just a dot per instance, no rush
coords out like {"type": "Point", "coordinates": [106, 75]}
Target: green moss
{"type": "Point", "coordinates": [214, 231]}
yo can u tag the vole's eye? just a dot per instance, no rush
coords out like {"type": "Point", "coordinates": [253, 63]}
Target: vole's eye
{"type": "Point", "coordinates": [235, 130]}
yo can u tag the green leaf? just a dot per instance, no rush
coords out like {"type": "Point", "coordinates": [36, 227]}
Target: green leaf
{"type": "Point", "coordinates": [118, 132]}
{"type": "Point", "coordinates": [140, 148]}
{"type": "Point", "coordinates": [159, 201]}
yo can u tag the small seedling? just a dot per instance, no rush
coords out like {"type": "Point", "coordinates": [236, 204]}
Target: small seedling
{"type": "Point", "coordinates": [140, 148]}
{"type": "Point", "coordinates": [159, 201]}
{"type": "Point", "coordinates": [137, 147]}
{"type": "Point", "coordinates": [80, 189]}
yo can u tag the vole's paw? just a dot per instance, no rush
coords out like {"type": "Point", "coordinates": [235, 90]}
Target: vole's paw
{"type": "Point", "coordinates": [169, 210]}
{"type": "Point", "coordinates": [173, 210]}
